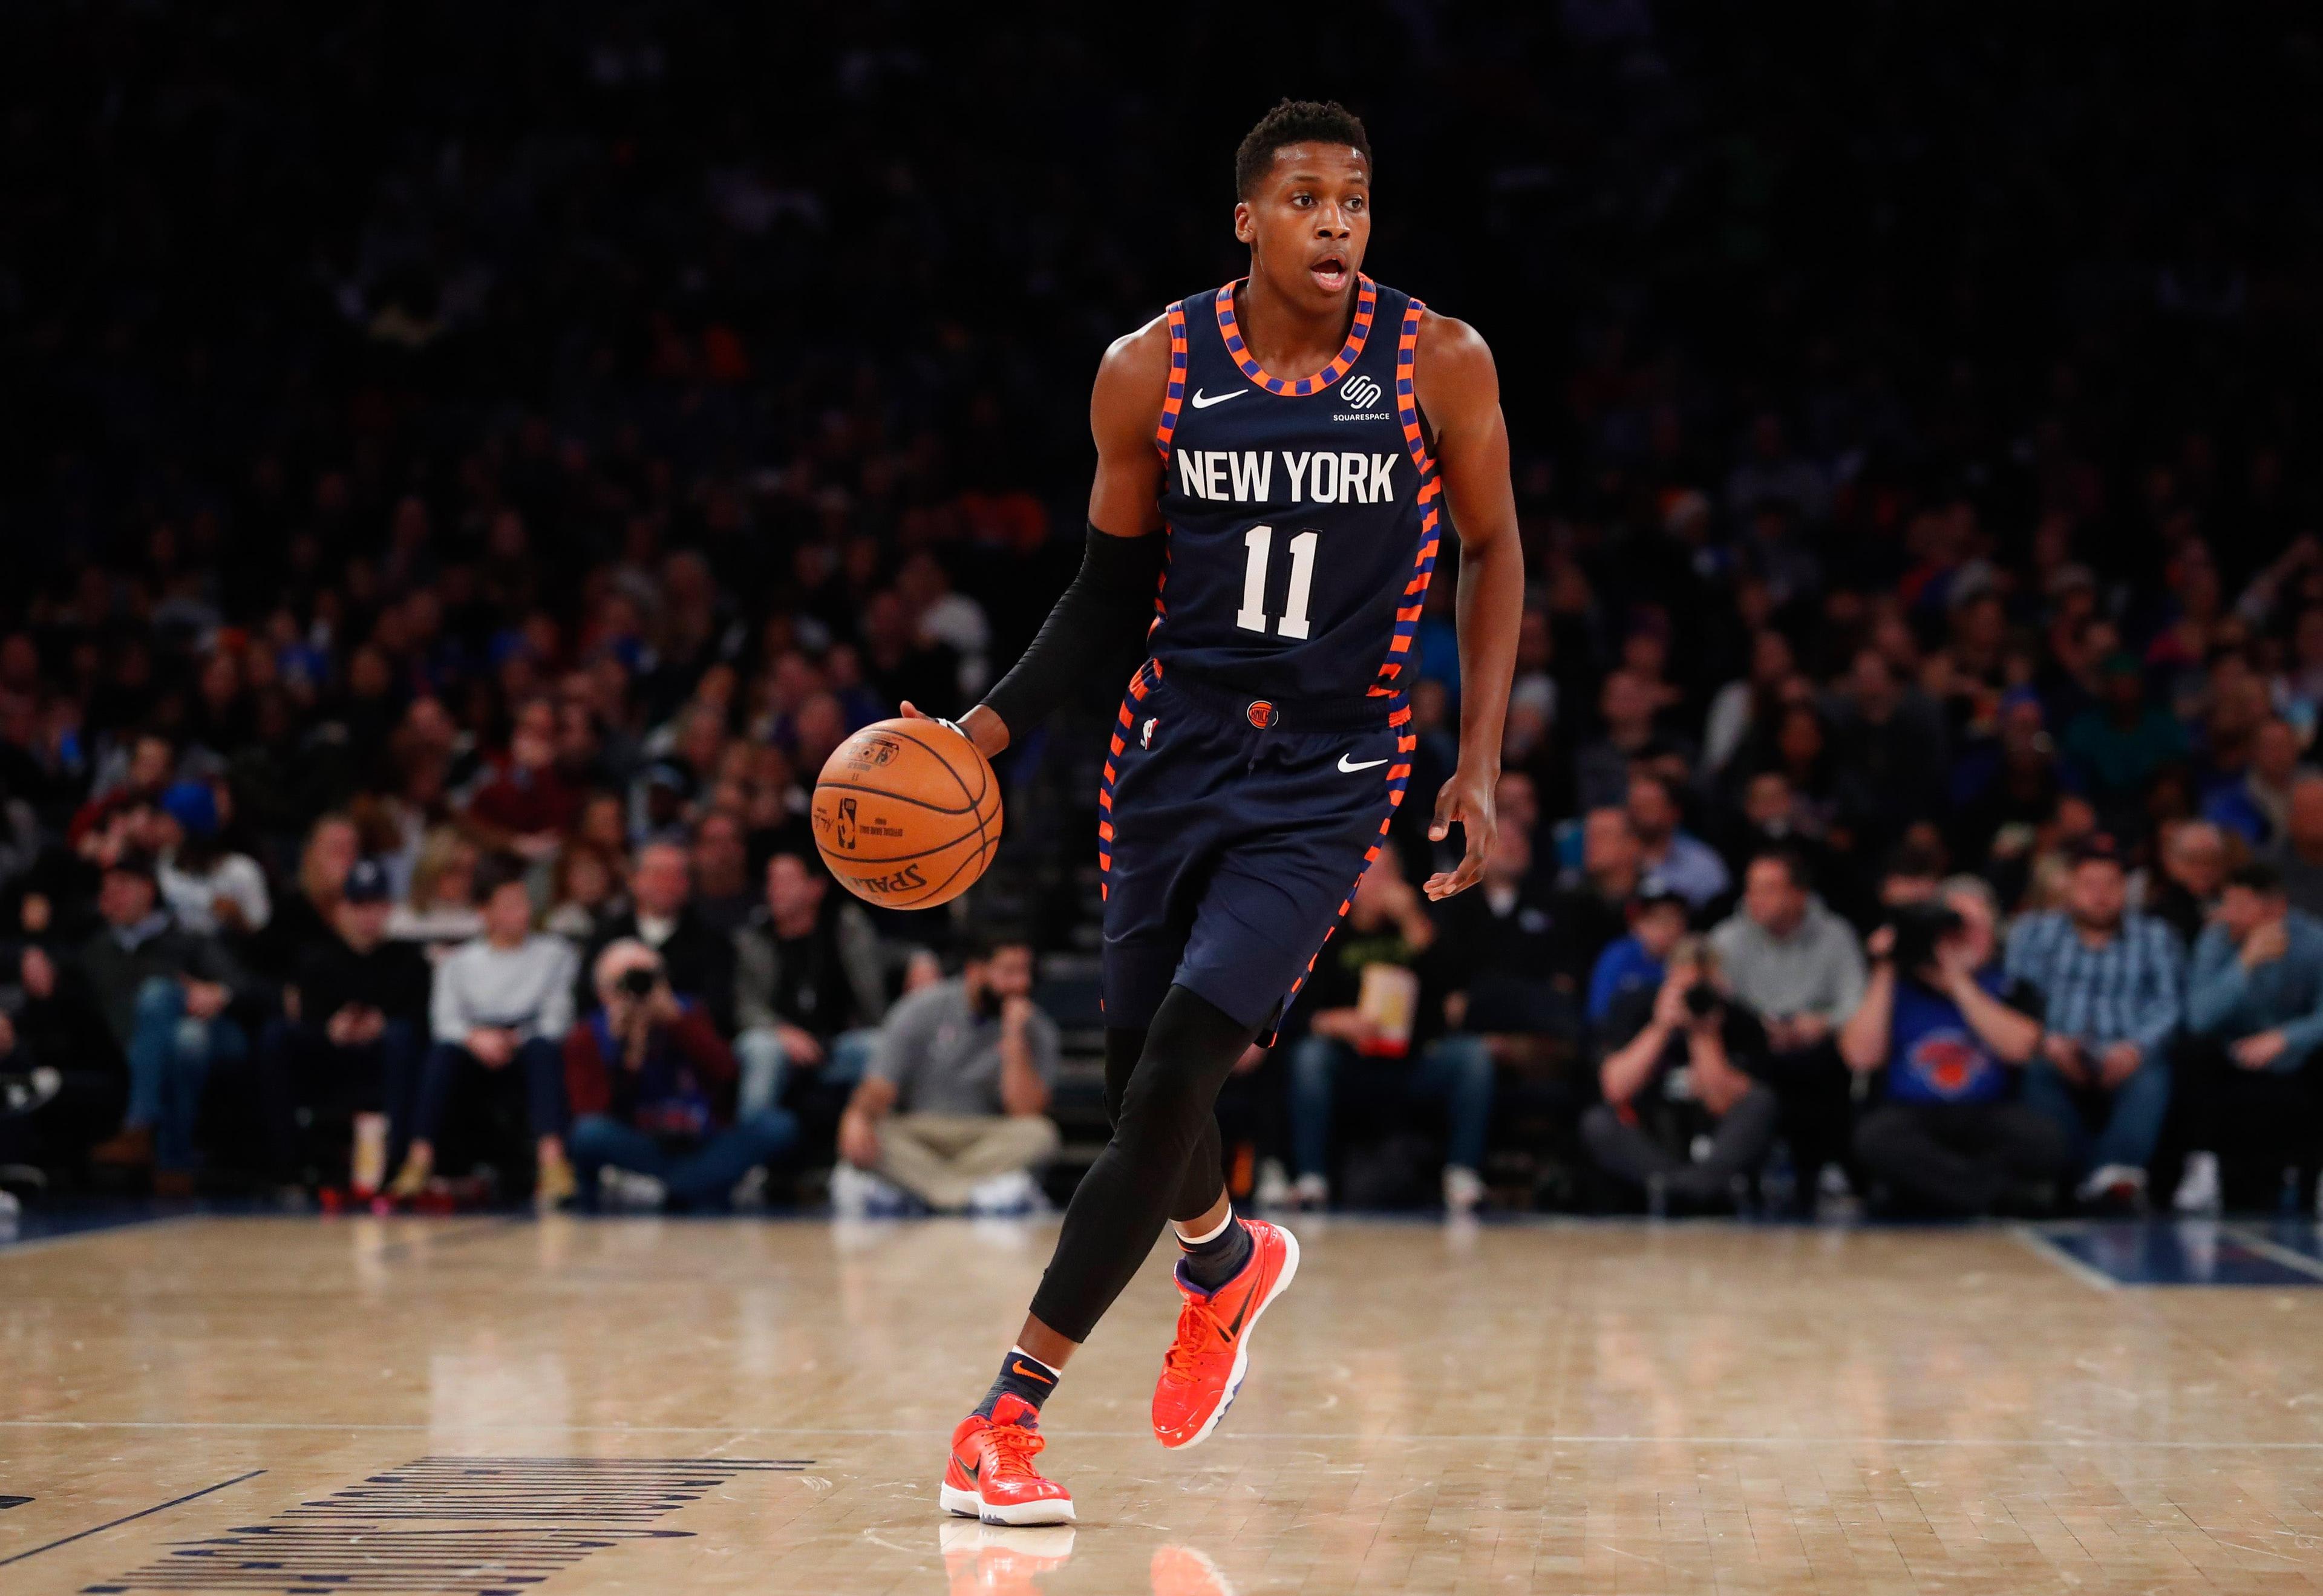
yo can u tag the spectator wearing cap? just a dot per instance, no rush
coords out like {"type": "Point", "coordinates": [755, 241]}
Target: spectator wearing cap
{"type": "Point", "coordinates": [661, 913]}
{"type": "Point", "coordinates": [2109, 981]}
{"type": "Point", "coordinates": [165, 994]}
{"type": "Point", "coordinates": [1947, 1036]}
{"type": "Point", "coordinates": [651, 1088]}
{"type": "Point", "coordinates": [1634, 961]}
{"type": "Point", "coordinates": [499, 1009]}
{"type": "Point", "coordinates": [1800, 969]}
{"type": "Point", "coordinates": [208, 889]}
{"type": "Point", "coordinates": [354, 1018]}
{"type": "Point", "coordinates": [1675, 858]}
{"type": "Point", "coordinates": [2254, 1020]}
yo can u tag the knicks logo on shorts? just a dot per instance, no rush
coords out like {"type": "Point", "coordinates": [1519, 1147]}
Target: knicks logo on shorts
{"type": "Point", "coordinates": [1260, 713]}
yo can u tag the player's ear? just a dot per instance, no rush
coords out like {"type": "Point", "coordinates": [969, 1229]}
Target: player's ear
{"type": "Point", "coordinates": [1245, 229]}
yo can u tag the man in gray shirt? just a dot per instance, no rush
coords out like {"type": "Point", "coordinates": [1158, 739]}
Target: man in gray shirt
{"type": "Point", "coordinates": [1798, 967]}
{"type": "Point", "coordinates": [952, 1109]}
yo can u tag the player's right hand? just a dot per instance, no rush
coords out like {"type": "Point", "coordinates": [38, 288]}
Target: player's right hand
{"type": "Point", "coordinates": [980, 726]}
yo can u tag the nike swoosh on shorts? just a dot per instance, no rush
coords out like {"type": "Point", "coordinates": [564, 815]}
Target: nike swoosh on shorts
{"type": "Point", "coordinates": [1363, 765]}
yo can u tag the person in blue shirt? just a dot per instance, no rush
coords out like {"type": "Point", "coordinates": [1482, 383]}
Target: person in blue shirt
{"type": "Point", "coordinates": [1952, 1035]}
{"type": "Point", "coordinates": [2254, 1021]}
{"type": "Point", "coordinates": [2111, 984]}
{"type": "Point", "coordinates": [1656, 920]}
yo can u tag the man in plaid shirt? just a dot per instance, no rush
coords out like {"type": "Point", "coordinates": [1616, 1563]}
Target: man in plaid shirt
{"type": "Point", "coordinates": [2111, 984]}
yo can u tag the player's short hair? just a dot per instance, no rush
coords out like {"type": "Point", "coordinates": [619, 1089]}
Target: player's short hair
{"type": "Point", "coordinates": [1296, 122]}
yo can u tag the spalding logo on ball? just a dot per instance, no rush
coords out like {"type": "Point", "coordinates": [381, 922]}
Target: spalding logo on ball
{"type": "Point", "coordinates": [908, 813]}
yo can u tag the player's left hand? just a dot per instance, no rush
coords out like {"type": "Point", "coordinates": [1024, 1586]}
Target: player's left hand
{"type": "Point", "coordinates": [1467, 799]}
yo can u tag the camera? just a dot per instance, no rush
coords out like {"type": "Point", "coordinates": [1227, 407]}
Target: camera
{"type": "Point", "coordinates": [1703, 1000]}
{"type": "Point", "coordinates": [1918, 928]}
{"type": "Point", "coordinates": [640, 983]}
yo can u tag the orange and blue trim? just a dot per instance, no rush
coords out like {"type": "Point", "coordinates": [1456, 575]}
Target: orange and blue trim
{"type": "Point", "coordinates": [1173, 392]}
{"type": "Point", "coordinates": [1431, 489]}
{"type": "Point", "coordinates": [1366, 304]}
{"type": "Point", "coordinates": [1142, 681]}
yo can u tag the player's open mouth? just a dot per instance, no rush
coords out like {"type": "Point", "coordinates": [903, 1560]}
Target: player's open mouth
{"type": "Point", "coordinates": [1331, 272]}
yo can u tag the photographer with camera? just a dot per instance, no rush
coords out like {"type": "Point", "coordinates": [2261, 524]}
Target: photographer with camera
{"type": "Point", "coordinates": [1682, 1119]}
{"type": "Point", "coordinates": [1949, 1135]}
{"type": "Point", "coordinates": [651, 1085]}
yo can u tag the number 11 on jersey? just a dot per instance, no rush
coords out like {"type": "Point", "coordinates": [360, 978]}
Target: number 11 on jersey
{"type": "Point", "coordinates": [1251, 616]}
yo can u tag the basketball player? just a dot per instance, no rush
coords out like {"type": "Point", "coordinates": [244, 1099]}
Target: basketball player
{"type": "Point", "coordinates": [1297, 437]}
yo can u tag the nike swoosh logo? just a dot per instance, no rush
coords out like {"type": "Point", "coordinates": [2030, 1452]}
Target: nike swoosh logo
{"type": "Point", "coordinates": [1202, 402]}
{"type": "Point", "coordinates": [1365, 765]}
{"type": "Point", "coordinates": [1235, 1329]}
{"type": "Point", "coordinates": [1017, 1367]}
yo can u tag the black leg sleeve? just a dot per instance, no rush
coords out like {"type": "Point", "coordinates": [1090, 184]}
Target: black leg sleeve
{"type": "Point", "coordinates": [1205, 1177]}
{"type": "Point", "coordinates": [1164, 1119]}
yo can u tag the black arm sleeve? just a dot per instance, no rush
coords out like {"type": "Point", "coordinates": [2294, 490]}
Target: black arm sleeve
{"type": "Point", "coordinates": [1100, 619]}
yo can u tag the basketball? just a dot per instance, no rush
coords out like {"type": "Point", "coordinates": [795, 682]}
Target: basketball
{"type": "Point", "coordinates": [908, 813]}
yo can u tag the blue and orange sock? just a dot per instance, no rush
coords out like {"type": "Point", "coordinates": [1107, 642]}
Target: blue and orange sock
{"type": "Point", "coordinates": [1023, 1377]}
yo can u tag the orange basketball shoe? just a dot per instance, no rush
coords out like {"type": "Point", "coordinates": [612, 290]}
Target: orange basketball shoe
{"type": "Point", "coordinates": [1204, 1367]}
{"type": "Point", "coordinates": [990, 1473]}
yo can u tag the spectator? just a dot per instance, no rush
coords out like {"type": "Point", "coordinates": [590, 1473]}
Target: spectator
{"type": "Point", "coordinates": [356, 1019]}
{"type": "Point", "coordinates": [2299, 856]}
{"type": "Point", "coordinates": [1590, 908]}
{"type": "Point", "coordinates": [2109, 983]}
{"type": "Point", "coordinates": [303, 915]}
{"type": "Point", "coordinates": [1602, 769]}
{"type": "Point", "coordinates": [2123, 742]}
{"type": "Point", "coordinates": [807, 969]}
{"type": "Point", "coordinates": [1948, 1034]}
{"type": "Point", "coordinates": [1503, 934]}
{"type": "Point", "coordinates": [166, 995]}
{"type": "Point", "coordinates": [661, 914]}
{"type": "Point", "coordinates": [441, 911]}
{"type": "Point", "coordinates": [62, 1085]}
{"type": "Point", "coordinates": [2256, 805]}
{"type": "Point", "coordinates": [1637, 961]}
{"type": "Point", "coordinates": [500, 1006]}
{"type": "Point", "coordinates": [1375, 1021]}
{"type": "Point", "coordinates": [525, 804]}
{"type": "Point", "coordinates": [1676, 859]}
{"type": "Point", "coordinates": [721, 873]}
{"type": "Point", "coordinates": [580, 893]}
{"type": "Point", "coordinates": [208, 889]}
{"type": "Point", "coordinates": [650, 1084]}
{"type": "Point", "coordinates": [1683, 1121]}
{"type": "Point", "coordinates": [2194, 866]}
{"type": "Point", "coordinates": [2254, 1019]}
{"type": "Point", "coordinates": [953, 1108]}
{"type": "Point", "coordinates": [1799, 968]}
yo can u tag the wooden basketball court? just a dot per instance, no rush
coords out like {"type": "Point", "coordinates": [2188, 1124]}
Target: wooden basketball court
{"type": "Point", "coordinates": [222, 1404]}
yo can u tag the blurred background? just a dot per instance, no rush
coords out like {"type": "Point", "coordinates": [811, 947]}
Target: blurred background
{"type": "Point", "coordinates": [489, 441]}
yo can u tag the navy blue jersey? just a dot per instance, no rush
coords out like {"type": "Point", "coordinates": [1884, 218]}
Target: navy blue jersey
{"type": "Point", "coordinates": [1300, 512]}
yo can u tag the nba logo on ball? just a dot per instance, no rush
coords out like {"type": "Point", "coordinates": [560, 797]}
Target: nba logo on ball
{"type": "Point", "coordinates": [1261, 713]}
{"type": "Point", "coordinates": [906, 814]}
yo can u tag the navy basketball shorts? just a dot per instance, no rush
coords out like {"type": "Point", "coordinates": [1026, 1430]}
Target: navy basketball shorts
{"type": "Point", "coordinates": [1231, 833]}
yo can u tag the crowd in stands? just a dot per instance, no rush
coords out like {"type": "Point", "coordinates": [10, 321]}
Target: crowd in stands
{"type": "Point", "coordinates": [446, 531]}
